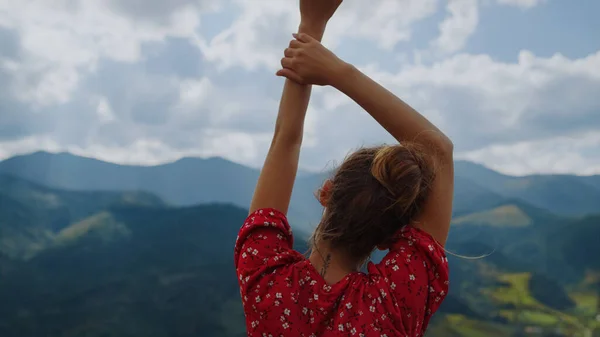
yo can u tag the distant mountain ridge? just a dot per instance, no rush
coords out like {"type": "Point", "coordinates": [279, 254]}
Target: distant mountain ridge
{"type": "Point", "coordinates": [191, 181]}
{"type": "Point", "coordinates": [562, 194]}
{"type": "Point", "coordinates": [171, 181]}
{"type": "Point", "coordinates": [185, 182]}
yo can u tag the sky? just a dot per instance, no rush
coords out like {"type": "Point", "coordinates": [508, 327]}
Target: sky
{"type": "Point", "coordinates": [514, 83]}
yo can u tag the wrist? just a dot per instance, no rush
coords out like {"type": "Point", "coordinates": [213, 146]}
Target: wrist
{"type": "Point", "coordinates": [312, 28]}
{"type": "Point", "coordinates": [342, 75]}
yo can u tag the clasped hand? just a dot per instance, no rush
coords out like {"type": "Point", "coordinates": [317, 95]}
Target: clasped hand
{"type": "Point", "coordinates": [307, 61]}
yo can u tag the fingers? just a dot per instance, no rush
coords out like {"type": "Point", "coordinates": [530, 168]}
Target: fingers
{"type": "Point", "coordinates": [294, 44]}
{"type": "Point", "coordinates": [300, 39]}
{"type": "Point", "coordinates": [291, 75]}
{"type": "Point", "coordinates": [303, 37]}
{"type": "Point", "coordinates": [289, 52]}
{"type": "Point", "coordinates": [287, 62]}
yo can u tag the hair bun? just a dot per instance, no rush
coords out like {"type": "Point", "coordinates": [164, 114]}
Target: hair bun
{"type": "Point", "coordinates": [405, 170]}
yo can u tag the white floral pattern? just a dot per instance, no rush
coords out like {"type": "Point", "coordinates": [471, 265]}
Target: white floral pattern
{"type": "Point", "coordinates": [396, 298]}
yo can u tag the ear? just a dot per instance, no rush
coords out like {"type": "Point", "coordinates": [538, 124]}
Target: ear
{"type": "Point", "coordinates": [325, 192]}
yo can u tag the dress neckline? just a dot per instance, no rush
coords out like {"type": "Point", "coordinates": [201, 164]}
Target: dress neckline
{"type": "Point", "coordinates": [320, 279]}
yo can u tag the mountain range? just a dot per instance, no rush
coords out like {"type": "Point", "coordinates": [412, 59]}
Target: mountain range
{"type": "Point", "coordinates": [191, 181]}
{"type": "Point", "coordinates": [186, 182]}
{"type": "Point", "coordinates": [90, 248]}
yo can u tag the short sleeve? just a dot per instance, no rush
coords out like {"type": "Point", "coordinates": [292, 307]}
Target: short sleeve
{"type": "Point", "coordinates": [264, 242]}
{"type": "Point", "coordinates": [416, 270]}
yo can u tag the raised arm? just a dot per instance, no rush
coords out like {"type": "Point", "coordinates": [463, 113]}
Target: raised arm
{"type": "Point", "coordinates": [276, 180]}
{"type": "Point", "coordinates": [406, 124]}
{"type": "Point", "coordinates": [310, 62]}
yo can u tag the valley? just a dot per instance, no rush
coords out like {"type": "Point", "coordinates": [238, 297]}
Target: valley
{"type": "Point", "coordinates": [89, 248]}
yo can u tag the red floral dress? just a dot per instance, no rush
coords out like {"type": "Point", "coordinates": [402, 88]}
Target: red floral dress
{"type": "Point", "coordinates": [284, 295]}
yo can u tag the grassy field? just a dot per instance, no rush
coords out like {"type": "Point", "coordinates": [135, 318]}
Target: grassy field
{"type": "Point", "coordinates": [461, 326]}
{"type": "Point", "coordinates": [523, 313]}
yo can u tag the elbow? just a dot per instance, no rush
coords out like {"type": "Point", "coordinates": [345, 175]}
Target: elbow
{"type": "Point", "coordinates": [439, 146]}
{"type": "Point", "coordinates": [444, 149]}
{"type": "Point", "coordinates": [448, 147]}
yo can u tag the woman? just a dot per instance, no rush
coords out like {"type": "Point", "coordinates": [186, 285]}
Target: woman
{"type": "Point", "coordinates": [396, 197]}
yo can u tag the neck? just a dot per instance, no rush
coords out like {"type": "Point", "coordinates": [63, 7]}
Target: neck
{"type": "Point", "coordinates": [333, 265]}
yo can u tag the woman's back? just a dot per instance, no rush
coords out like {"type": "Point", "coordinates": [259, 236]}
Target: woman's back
{"type": "Point", "coordinates": [283, 294]}
{"type": "Point", "coordinates": [375, 199]}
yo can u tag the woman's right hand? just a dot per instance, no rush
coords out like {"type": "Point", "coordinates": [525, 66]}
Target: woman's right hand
{"type": "Point", "coordinates": [307, 61]}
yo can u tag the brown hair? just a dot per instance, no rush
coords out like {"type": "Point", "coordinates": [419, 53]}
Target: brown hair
{"type": "Point", "coordinates": [375, 192]}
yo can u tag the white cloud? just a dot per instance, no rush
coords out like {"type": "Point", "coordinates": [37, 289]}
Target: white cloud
{"type": "Point", "coordinates": [193, 94]}
{"type": "Point", "coordinates": [565, 154]}
{"type": "Point", "coordinates": [479, 102]}
{"type": "Point", "coordinates": [257, 38]}
{"type": "Point", "coordinates": [26, 145]}
{"type": "Point", "coordinates": [241, 147]}
{"type": "Point", "coordinates": [521, 3]}
{"type": "Point", "coordinates": [61, 39]}
{"type": "Point", "coordinates": [148, 82]}
{"type": "Point", "coordinates": [251, 39]}
{"type": "Point", "coordinates": [41, 84]}
{"type": "Point", "coordinates": [461, 23]}
{"type": "Point", "coordinates": [105, 111]}
{"type": "Point", "coordinates": [458, 26]}
{"type": "Point", "coordinates": [385, 22]}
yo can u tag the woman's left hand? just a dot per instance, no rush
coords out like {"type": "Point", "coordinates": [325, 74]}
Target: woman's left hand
{"type": "Point", "coordinates": [307, 61]}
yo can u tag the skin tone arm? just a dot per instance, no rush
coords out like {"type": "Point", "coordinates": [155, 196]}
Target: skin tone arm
{"type": "Point", "coordinates": [276, 180]}
{"type": "Point", "coordinates": [309, 62]}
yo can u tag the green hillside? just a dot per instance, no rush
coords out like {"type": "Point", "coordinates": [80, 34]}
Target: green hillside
{"type": "Point", "coordinates": [541, 274]}
{"type": "Point", "coordinates": [30, 214]}
{"type": "Point", "coordinates": [131, 271]}
{"type": "Point", "coordinates": [505, 215]}
{"type": "Point", "coordinates": [569, 240]}
{"type": "Point", "coordinates": [127, 269]}
{"type": "Point", "coordinates": [80, 262]}
{"type": "Point", "coordinates": [471, 197]}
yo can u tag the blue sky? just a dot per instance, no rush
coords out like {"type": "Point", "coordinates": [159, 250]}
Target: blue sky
{"type": "Point", "coordinates": [514, 83]}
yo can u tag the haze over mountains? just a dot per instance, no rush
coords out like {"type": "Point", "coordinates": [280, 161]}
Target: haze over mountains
{"type": "Point", "coordinates": [89, 248]}
{"type": "Point", "coordinates": [191, 181]}
{"type": "Point", "coordinates": [188, 181]}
